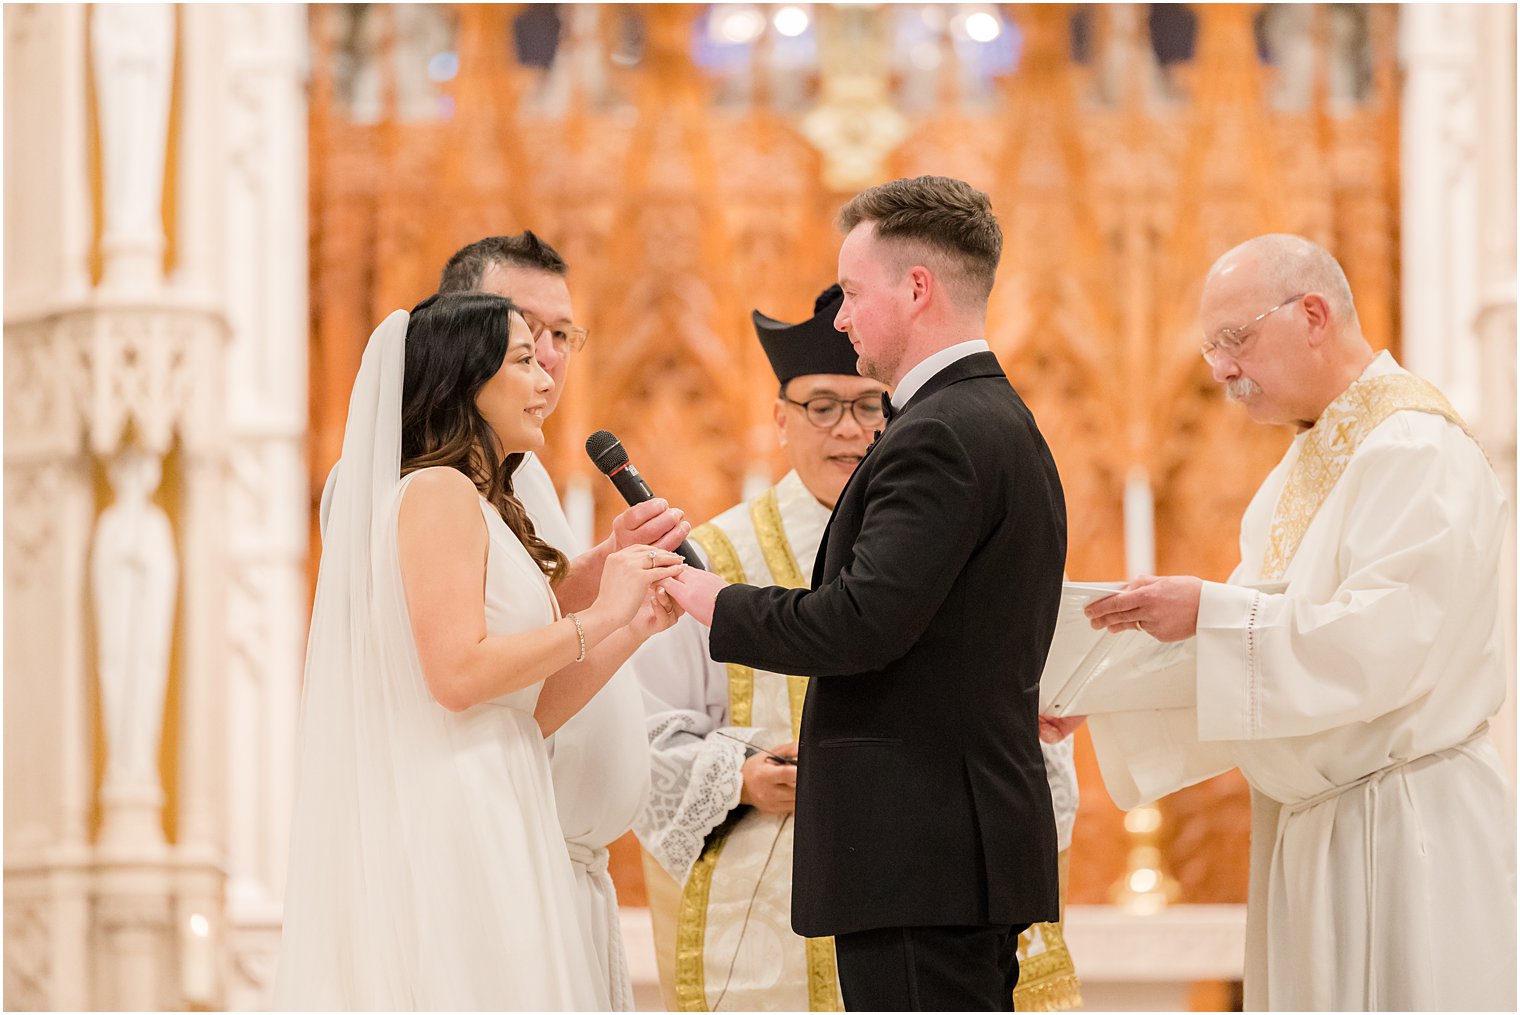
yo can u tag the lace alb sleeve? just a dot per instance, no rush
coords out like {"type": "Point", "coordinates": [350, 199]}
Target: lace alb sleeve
{"type": "Point", "coordinates": [1061, 771]}
{"type": "Point", "coordinates": [694, 781]}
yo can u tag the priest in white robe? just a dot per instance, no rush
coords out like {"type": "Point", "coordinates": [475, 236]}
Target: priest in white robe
{"type": "Point", "coordinates": [597, 759]}
{"type": "Point", "coordinates": [717, 829]}
{"type": "Point", "coordinates": [1355, 702]}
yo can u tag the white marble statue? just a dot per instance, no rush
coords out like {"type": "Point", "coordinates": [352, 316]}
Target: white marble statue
{"type": "Point", "coordinates": [134, 574]}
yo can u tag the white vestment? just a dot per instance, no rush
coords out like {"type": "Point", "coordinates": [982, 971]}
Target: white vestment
{"type": "Point", "coordinates": [599, 761]}
{"type": "Point", "coordinates": [1356, 705]}
{"type": "Point", "coordinates": [735, 949]}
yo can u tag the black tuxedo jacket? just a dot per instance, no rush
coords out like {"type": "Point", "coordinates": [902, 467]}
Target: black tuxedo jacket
{"type": "Point", "coordinates": [921, 793]}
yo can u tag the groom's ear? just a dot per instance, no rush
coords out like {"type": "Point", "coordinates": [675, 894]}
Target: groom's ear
{"type": "Point", "coordinates": [921, 285]}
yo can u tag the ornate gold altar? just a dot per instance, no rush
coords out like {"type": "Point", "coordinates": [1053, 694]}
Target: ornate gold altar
{"type": "Point", "coordinates": [689, 166]}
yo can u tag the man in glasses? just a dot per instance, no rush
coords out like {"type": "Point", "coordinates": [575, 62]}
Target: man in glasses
{"type": "Point", "coordinates": [598, 759]}
{"type": "Point", "coordinates": [1356, 700]}
{"type": "Point", "coordinates": [717, 829]}
{"type": "Point", "coordinates": [702, 715]}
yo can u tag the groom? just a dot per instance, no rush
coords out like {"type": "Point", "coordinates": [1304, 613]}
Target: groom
{"type": "Point", "coordinates": [925, 838]}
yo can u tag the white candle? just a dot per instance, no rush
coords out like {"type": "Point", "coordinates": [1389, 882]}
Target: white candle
{"type": "Point", "coordinates": [1139, 523]}
{"type": "Point", "coordinates": [580, 510]}
{"type": "Point", "coordinates": [197, 971]}
{"type": "Point", "coordinates": [756, 482]}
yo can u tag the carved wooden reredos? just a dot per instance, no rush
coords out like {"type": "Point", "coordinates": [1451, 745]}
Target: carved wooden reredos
{"type": "Point", "coordinates": [688, 163]}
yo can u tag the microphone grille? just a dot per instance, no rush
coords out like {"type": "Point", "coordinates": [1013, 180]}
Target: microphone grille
{"type": "Point", "coordinates": [606, 452]}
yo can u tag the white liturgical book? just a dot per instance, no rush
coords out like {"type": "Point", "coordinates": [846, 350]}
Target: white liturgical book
{"type": "Point", "coordinates": [1090, 672]}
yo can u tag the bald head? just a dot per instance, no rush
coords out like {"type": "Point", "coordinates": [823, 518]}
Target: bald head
{"type": "Point", "coordinates": [1280, 328]}
{"type": "Point", "coordinates": [1284, 265]}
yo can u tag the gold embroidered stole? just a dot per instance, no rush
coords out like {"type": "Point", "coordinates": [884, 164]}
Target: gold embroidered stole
{"type": "Point", "coordinates": [1047, 977]}
{"type": "Point", "coordinates": [1327, 450]}
{"type": "Point", "coordinates": [691, 919]}
{"type": "Point", "coordinates": [724, 560]}
{"type": "Point", "coordinates": [765, 512]}
{"type": "Point", "coordinates": [691, 932]}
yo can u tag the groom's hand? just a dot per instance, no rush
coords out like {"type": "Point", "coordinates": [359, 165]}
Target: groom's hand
{"type": "Point", "coordinates": [697, 592]}
{"type": "Point", "coordinates": [1054, 728]}
{"type": "Point", "coordinates": [652, 523]}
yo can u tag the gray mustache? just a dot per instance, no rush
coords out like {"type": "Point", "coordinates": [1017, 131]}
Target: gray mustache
{"type": "Point", "coordinates": [1241, 388]}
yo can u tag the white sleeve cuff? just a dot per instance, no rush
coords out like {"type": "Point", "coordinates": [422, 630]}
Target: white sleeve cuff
{"type": "Point", "coordinates": [1229, 662]}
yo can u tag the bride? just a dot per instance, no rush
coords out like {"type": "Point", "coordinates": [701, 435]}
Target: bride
{"type": "Point", "coordinates": [427, 868]}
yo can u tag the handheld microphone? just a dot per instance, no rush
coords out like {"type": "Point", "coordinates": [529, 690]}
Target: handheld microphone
{"type": "Point", "coordinates": [608, 455]}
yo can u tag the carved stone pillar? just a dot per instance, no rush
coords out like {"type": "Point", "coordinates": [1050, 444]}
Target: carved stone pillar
{"type": "Point", "coordinates": [132, 966]}
{"type": "Point", "coordinates": [49, 508]}
{"type": "Point", "coordinates": [47, 229]}
{"type": "Point", "coordinates": [133, 55]}
{"type": "Point", "coordinates": [153, 372]}
{"type": "Point", "coordinates": [48, 511]}
{"type": "Point", "coordinates": [99, 914]}
{"type": "Point", "coordinates": [1458, 172]}
{"type": "Point", "coordinates": [201, 854]}
{"type": "Point", "coordinates": [1440, 201]}
{"type": "Point", "coordinates": [1494, 322]}
{"type": "Point", "coordinates": [101, 911]}
{"type": "Point", "coordinates": [243, 174]}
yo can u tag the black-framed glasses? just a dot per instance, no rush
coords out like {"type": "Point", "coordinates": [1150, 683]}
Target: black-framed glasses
{"type": "Point", "coordinates": [572, 336]}
{"type": "Point", "coordinates": [826, 411]}
{"type": "Point", "coordinates": [1230, 341]}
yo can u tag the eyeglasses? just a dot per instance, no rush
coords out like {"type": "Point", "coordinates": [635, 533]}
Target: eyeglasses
{"type": "Point", "coordinates": [825, 412]}
{"type": "Point", "coordinates": [571, 335]}
{"type": "Point", "coordinates": [1230, 341]}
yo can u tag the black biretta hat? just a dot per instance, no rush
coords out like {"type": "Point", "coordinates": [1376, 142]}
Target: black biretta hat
{"type": "Point", "coordinates": [812, 347]}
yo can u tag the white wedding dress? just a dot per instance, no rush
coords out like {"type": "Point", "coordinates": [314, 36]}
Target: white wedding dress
{"type": "Point", "coordinates": [427, 867]}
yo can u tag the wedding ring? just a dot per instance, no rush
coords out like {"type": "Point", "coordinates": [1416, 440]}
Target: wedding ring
{"type": "Point", "coordinates": [651, 558]}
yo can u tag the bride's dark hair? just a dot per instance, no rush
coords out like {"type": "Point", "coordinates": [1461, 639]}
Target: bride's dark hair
{"type": "Point", "coordinates": [455, 343]}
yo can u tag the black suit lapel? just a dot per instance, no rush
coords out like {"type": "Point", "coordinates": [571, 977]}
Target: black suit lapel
{"type": "Point", "coordinates": [823, 552]}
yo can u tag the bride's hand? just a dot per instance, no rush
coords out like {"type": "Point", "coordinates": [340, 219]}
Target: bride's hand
{"type": "Point", "coordinates": [627, 578]}
{"type": "Point", "coordinates": [658, 613]}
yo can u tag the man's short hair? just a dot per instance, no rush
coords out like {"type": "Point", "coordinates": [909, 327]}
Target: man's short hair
{"type": "Point", "coordinates": [524, 250]}
{"type": "Point", "coordinates": [936, 215]}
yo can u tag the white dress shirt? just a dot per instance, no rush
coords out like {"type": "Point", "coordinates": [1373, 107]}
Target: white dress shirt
{"type": "Point", "coordinates": [931, 365]}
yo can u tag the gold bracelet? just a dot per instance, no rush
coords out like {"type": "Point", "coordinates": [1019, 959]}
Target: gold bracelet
{"type": "Point", "coordinates": [580, 633]}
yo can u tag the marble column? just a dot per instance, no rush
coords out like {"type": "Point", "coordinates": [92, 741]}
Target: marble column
{"type": "Point", "coordinates": [1458, 228]}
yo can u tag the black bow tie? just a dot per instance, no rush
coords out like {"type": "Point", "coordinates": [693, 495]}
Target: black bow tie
{"type": "Point", "coordinates": [887, 412]}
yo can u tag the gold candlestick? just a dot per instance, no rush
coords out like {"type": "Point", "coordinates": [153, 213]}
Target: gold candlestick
{"type": "Point", "coordinates": [1146, 887]}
